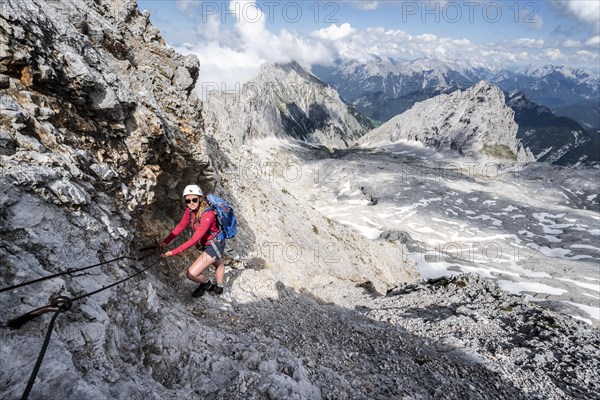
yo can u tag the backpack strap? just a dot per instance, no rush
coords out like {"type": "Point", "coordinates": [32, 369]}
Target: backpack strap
{"type": "Point", "coordinates": [215, 248]}
{"type": "Point", "coordinates": [218, 232]}
{"type": "Point", "coordinates": [207, 208]}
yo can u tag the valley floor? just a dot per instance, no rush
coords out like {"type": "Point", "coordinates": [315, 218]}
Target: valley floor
{"type": "Point", "coordinates": [533, 228]}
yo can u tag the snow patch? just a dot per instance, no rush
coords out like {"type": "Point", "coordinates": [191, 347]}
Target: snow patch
{"type": "Point", "coordinates": [590, 286]}
{"type": "Point", "coordinates": [518, 287]}
{"type": "Point", "coordinates": [585, 246]}
{"type": "Point", "coordinates": [594, 312]}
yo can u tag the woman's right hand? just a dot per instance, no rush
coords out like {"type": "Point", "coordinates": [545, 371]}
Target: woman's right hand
{"type": "Point", "coordinates": [167, 254]}
{"type": "Point", "coordinates": [161, 245]}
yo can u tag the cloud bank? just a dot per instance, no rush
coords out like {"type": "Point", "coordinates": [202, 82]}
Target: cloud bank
{"type": "Point", "coordinates": [231, 55]}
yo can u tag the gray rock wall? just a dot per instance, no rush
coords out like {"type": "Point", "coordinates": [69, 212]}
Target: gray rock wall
{"type": "Point", "coordinates": [98, 126]}
{"type": "Point", "coordinates": [286, 101]}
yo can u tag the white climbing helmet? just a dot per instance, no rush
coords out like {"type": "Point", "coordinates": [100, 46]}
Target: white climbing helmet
{"type": "Point", "coordinates": [192, 189]}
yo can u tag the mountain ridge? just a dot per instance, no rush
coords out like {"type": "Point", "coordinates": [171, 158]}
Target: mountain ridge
{"type": "Point", "coordinates": [554, 139]}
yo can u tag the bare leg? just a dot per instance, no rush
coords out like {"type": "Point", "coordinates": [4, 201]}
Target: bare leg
{"type": "Point", "coordinates": [194, 272]}
{"type": "Point", "coordinates": [220, 271]}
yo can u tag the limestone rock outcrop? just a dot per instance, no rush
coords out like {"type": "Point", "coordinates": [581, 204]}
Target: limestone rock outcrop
{"type": "Point", "coordinates": [474, 122]}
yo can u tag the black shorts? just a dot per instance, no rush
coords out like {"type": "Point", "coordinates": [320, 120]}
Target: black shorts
{"type": "Point", "coordinates": [211, 251]}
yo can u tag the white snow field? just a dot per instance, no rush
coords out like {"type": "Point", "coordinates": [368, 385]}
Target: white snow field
{"type": "Point", "coordinates": [532, 227]}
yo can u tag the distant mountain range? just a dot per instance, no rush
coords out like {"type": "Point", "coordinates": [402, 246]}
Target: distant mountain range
{"type": "Point", "coordinates": [586, 112]}
{"type": "Point", "coordinates": [287, 101]}
{"type": "Point", "coordinates": [381, 89]}
{"type": "Point", "coordinates": [551, 85]}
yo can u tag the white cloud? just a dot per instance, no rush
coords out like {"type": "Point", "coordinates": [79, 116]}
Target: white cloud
{"type": "Point", "coordinates": [229, 58]}
{"type": "Point", "coordinates": [211, 29]}
{"type": "Point", "coordinates": [188, 5]}
{"type": "Point", "coordinates": [232, 56]}
{"type": "Point", "coordinates": [527, 42]}
{"type": "Point", "coordinates": [594, 41]}
{"type": "Point", "coordinates": [440, 51]}
{"type": "Point", "coordinates": [553, 54]}
{"type": "Point", "coordinates": [570, 43]}
{"type": "Point", "coordinates": [254, 38]}
{"type": "Point", "coordinates": [584, 56]}
{"type": "Point", "coordinates": [334, 32]}
{"type": "Point", "coordinates": [426, 37]}
{"type": "Point", "coordinates": [461, 42]}
{"type": "Point", "coordinates": [350, 43]}
{"type": "Point", "coordinates": [362, 45]}
{"type": "Point", "coordinates": [585, 11]}
{"type": "Point", "coordinates": [221, 68]}
{"type": "Point", "coordinates": [585, 53]}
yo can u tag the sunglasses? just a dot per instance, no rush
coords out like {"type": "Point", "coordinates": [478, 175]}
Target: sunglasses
{"type": "Point", "coordinates": [188, 201]}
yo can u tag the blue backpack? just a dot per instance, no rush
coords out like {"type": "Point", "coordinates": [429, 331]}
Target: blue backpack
{"type": "Point", "coordinates": [225, 216]}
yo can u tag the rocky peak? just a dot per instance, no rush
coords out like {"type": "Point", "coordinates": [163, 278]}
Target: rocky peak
{"type": "Point", "coordinates": [475, 122]}
{"type": "Point", "coordinates": [285, 72]}
{"type": "Point", "coordinates": [287, 101]}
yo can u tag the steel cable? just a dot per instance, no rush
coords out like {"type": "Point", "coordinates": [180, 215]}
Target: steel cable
{"type": "Point", "coordinates": [73, 270]}
{"type": "Point", "coordinates": [40, 358]}
{"type": "Point", "coordinates": [63, 304]}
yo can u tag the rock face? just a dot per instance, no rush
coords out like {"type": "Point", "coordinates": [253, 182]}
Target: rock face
{"type": "Point", "coordinates": [94, 93]}
{"type": "Point", "coordinates": [98, 126]}
{"type": "Point", "coordinates": [474, 122]}
{"type": "Point", "coordinates": [553, 139]}
{"type": "Point", "coordinates": [286, 101]}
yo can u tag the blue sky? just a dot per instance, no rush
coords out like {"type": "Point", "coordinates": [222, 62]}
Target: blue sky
{"type": "Point", "coordinates": [232, 38]}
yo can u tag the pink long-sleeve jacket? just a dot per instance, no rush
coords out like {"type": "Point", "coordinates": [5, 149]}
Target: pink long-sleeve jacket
{"type": "Point", "coordinates": [205, 229]}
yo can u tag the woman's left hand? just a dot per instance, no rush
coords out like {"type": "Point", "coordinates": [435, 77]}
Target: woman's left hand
{"type": "Point", "coordinates": [167, 254]}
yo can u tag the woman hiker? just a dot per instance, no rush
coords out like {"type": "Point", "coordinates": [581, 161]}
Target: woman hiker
{"type": "Point", "coordinates": [206, 232]}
